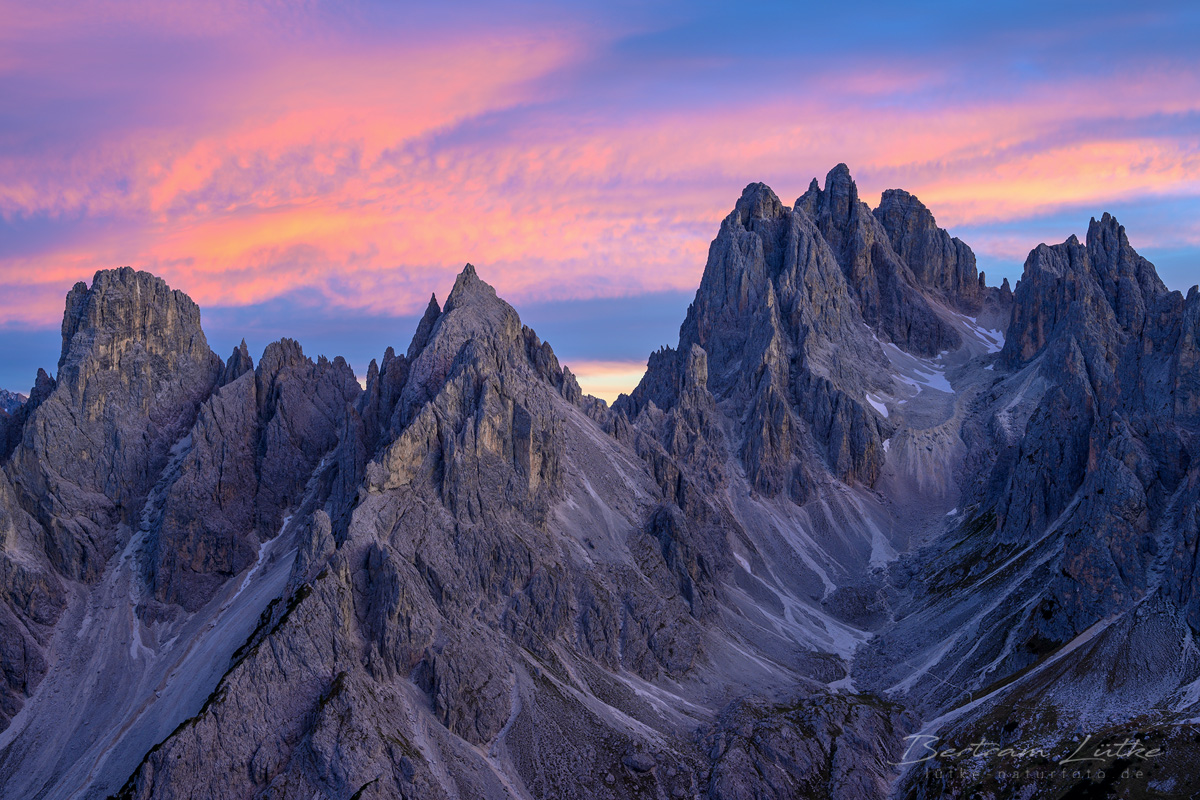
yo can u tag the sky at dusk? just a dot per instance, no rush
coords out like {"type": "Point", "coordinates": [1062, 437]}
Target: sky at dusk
{"type": "Point", "coordinates": [316, 170]}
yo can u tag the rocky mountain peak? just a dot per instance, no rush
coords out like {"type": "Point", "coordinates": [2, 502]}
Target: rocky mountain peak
{"type": "Point", "coordinates": [134, 369]}
{"type": "Point", "coordinates": [1099, 292]}
{"type": "Point", "coordinates": [425, 326]}
{"type": "Point", "coordinates": [815, 201]}
{"type": "Point", "coordinates": [252, 450]}
{"type": "Point", "coordinates": [473, 312]}
{"type": "Point", "coordinates": [1095, 321]}
{"type": "Point", "coordinates": [237, 365]}
{"type": "Point", "coordinates": [125, 313]}
{"type": "Point", "coordinates": [131, 324]}
{"type": "Point", "coordinates": [772, 309]}
{"type": "Point", "coordinates": [279, 355]}
{"type": "Point", "coordinates": [840, 187]}
{"type": "Point", "coordinates": [1116, 262]}
{"type": "Point", "coordinates": [940, 263]}
{"type": "Point", "coordinates": [890, 296]}
{"type": "Point", "coordinates": [469, 290]}
{"type": "Point", "coordinates": [758, 201]}
{"type": "Point", "coordinates": [808, 532]}
{"type": "Point", "coordinates": [838, 201]}
{"type": "Point", "coordinates": [475, 326]}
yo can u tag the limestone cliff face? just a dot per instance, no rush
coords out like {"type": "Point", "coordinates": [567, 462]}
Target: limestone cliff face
{"type": "Point", "coordinates": [941, 263]}
{"type": "Point", "coordinates": [887, 290]}
{"type": "Point", "coordinates": [1078, 511]}
{"type": "Point", "coordinates": [1111, 444]}
{"type": "Point", "coordinates": [85, 449]}
{"type": "Point", "coordinates": [457, 576]}
{"type": "Point", "coordinates": [132, 441]}
{"type": "Point", "coordinates": [250, 454]}
{"type": "Point", "coordinates": [32, 595]}
{"type": "Point", "coordinates": [780, 329]}
{"type": "Point", "coordinates": [32, 598]}
{"type": "Point", "coordinates": [134, 368]}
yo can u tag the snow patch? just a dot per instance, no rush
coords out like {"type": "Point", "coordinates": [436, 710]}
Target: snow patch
{"type": "Point", "coordinates": [845, 684]}
{"type": "Point", "coordinates": [992, 339]}
{"type": "Point", "coordinates": [917, 373]}
{"type": "Point", "coordinates": [877, 405]}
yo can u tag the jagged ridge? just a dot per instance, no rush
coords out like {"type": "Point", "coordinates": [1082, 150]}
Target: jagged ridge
{"type": "Point", "coordinates": [839, 505]}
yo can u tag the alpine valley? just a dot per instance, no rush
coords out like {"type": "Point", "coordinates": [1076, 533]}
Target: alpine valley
{"type": "Point", "coordinates": [872, 529]}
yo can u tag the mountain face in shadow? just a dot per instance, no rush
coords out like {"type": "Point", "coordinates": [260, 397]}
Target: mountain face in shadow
{"type": "Point", "coordinates": [866, 504]}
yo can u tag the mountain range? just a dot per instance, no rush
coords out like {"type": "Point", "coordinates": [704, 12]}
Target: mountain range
{"type": "Point", "coordinates": [868, 515]}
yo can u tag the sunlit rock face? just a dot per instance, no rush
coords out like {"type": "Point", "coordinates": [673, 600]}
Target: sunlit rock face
{"type": "Point", "coordinates": [865, 497]}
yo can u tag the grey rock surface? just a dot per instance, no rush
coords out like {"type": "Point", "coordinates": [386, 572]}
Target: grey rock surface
{"type": "Point", "coordinates": [813, 746]}
{"type": "Point", "coordinates": [940, 262]}
{"type": "Point", "coordinates": [778, 328]}
{"type": "Point", "coordinates": [134, 368]}
{"type": "Point", "coordinates": [888, 292]}
{"type": "Point", "coordinates": [1062, 598]}
{"type": "Point", "coordinates": [251, 451]}
{"type": "Point", "coordinates": [82, 453]}
{"type": "Point", "coordinates": [865, 497]}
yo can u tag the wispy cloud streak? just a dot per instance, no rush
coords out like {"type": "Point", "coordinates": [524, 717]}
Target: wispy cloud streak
{"type": "Point", "coordinates": [363, 153]}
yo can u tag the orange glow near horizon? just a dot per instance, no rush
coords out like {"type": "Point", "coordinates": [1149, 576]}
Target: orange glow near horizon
{"type": "Point", "coordinates": [607, 379]}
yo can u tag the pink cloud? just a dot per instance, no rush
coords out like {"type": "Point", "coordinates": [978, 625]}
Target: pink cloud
{"type": "Point", "coordinates": [370, 171]}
